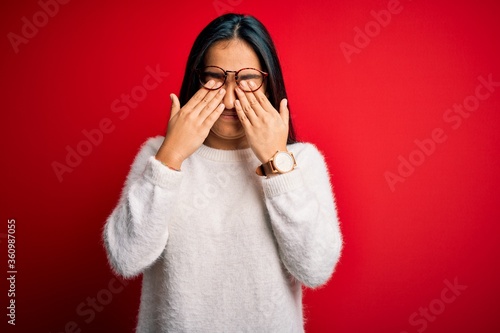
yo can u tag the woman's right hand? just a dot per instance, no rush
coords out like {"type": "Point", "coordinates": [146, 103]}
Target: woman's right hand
{"type": "Point", "coordinates": [189, 126]}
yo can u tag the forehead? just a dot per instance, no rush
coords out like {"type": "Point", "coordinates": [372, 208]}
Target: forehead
{"type": "Point", "coordinates": [232, 55]}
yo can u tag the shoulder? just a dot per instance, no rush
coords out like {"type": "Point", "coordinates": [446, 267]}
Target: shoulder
{"type": "Point", "coordinates": [305, 151]}
{"type": "Point", "coordinates": [147, 149]}
{"type": "Point", "coordinates": [150, 147]}
{"type": "Point", "coordinates": [309, 158]}
{"type": "Point", "coordinates": [152, 144]}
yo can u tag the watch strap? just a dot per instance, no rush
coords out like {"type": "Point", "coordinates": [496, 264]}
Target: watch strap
{"type": "Point", "coordinates": [265, 169]}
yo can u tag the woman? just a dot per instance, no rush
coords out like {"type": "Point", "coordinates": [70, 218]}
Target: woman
{"type": "Point", "coordinates": [223, 246]}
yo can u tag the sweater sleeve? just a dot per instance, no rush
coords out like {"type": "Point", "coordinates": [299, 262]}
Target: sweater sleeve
{"type": "Point", "coordinates": [136, 232]}
{"type": "Point", "coordinates": [304, 218]}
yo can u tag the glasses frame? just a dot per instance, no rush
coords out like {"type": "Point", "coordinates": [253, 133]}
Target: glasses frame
{"type": "Point", "coordinates": [199, 72]}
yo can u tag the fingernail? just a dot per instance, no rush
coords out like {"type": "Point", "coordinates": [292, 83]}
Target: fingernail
{"type": "Point", "coordinates": [210, 83]}
{"type": "Point", "coordinates": [222, 91]}
{"type": "Point", "coordinates": [252, 84]}
{"type": "Point", "coordinates": [286, 102]}
{"type": "Point", "coordinates": [171, 98]}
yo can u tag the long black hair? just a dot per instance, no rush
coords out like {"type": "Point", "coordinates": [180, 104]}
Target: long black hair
{"type": "Point", "coordinates": [249, 29]}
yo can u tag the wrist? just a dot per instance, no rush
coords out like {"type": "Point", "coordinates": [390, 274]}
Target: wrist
{"type": "Point", "coordinates": [169, 158]}
{"type": "Point", "coordinates": [265, 157]}
{"type": "Point", "coordinates": [281, 162]}
{"type": "Point", "coordinates": [168, 166]}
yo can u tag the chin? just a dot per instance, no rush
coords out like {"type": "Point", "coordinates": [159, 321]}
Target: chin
{"type": "Point", "coordinates": [230, 136]}
{"type": "Point", "coordinates": [228, 139]}
{"type": "Point", "coordinates": [224, 132]}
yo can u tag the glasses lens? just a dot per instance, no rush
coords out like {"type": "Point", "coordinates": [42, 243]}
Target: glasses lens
{"type": "Point", "coordinates": [250, 76]}
{"type": "Point", "coordinates": [212, 74]}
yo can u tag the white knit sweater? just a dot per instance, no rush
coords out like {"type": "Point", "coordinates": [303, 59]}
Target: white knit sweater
{"type": "Point", "coordinates": [220, 248]}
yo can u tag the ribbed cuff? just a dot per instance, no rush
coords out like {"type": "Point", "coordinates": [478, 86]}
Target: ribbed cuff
{"type": "Point", "coordinates": [279, 184]}
{"type": "Point", "coordinates": [160, 175]}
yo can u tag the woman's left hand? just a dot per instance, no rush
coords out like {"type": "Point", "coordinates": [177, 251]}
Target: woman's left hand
{"type": "Point", "coordinates": [266, 129]}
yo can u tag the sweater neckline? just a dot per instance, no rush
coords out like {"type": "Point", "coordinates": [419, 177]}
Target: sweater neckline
{"type": "Point", "coordinates": [224, 155]}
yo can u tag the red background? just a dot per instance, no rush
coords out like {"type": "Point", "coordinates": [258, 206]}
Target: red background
{"type": "Point", "coordinates": [440, 224]}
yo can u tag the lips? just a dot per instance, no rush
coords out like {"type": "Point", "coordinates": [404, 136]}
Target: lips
{"type": "Point", "coordinates": [229, 114]}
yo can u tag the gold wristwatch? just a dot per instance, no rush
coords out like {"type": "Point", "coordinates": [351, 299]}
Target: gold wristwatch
{"type": "Point", "coordinates": [281, 162]}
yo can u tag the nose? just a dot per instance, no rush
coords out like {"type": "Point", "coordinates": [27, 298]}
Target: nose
{"type": "Point", "coordinates": [230, 96]}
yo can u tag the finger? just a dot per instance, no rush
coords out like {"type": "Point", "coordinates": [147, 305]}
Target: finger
{"type": "Point", "coordinates": [284, 112]}
{"type": "Point", "coordinates": [176, 105]}
{"type": "Point", "coordinates": [202, 96]}
{"type": "Point", "coordinates": [214, 115]}
{"type": "Point", "coordinates": [242, 115]}
{"type": "Point", "coordinates": [264, 101]}
{"type": "Point", "coordinates": [245, 105]}
{"type": "Point", "coordinates": [253, 101]}
{"type": "Point", "coordinates": [214, 103]}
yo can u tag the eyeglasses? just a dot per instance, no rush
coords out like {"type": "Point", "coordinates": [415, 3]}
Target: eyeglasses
{"type": "Point", "coordinates": [219, 76]}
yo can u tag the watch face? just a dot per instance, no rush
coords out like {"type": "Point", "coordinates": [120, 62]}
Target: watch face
{"type": "Point", "coordinates": [283, 162]}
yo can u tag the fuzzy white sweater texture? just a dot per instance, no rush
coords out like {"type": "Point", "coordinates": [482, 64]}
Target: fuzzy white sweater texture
{"type": "Point", "coordinates": [222, 249]}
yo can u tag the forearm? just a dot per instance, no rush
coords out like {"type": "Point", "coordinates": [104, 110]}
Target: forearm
{"type": "Point", "coordinates": [304, 220]}
{"type": "Point", "coordinates": [136, 232]}
{"type": "Point", "coordinates": [308, 237]}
